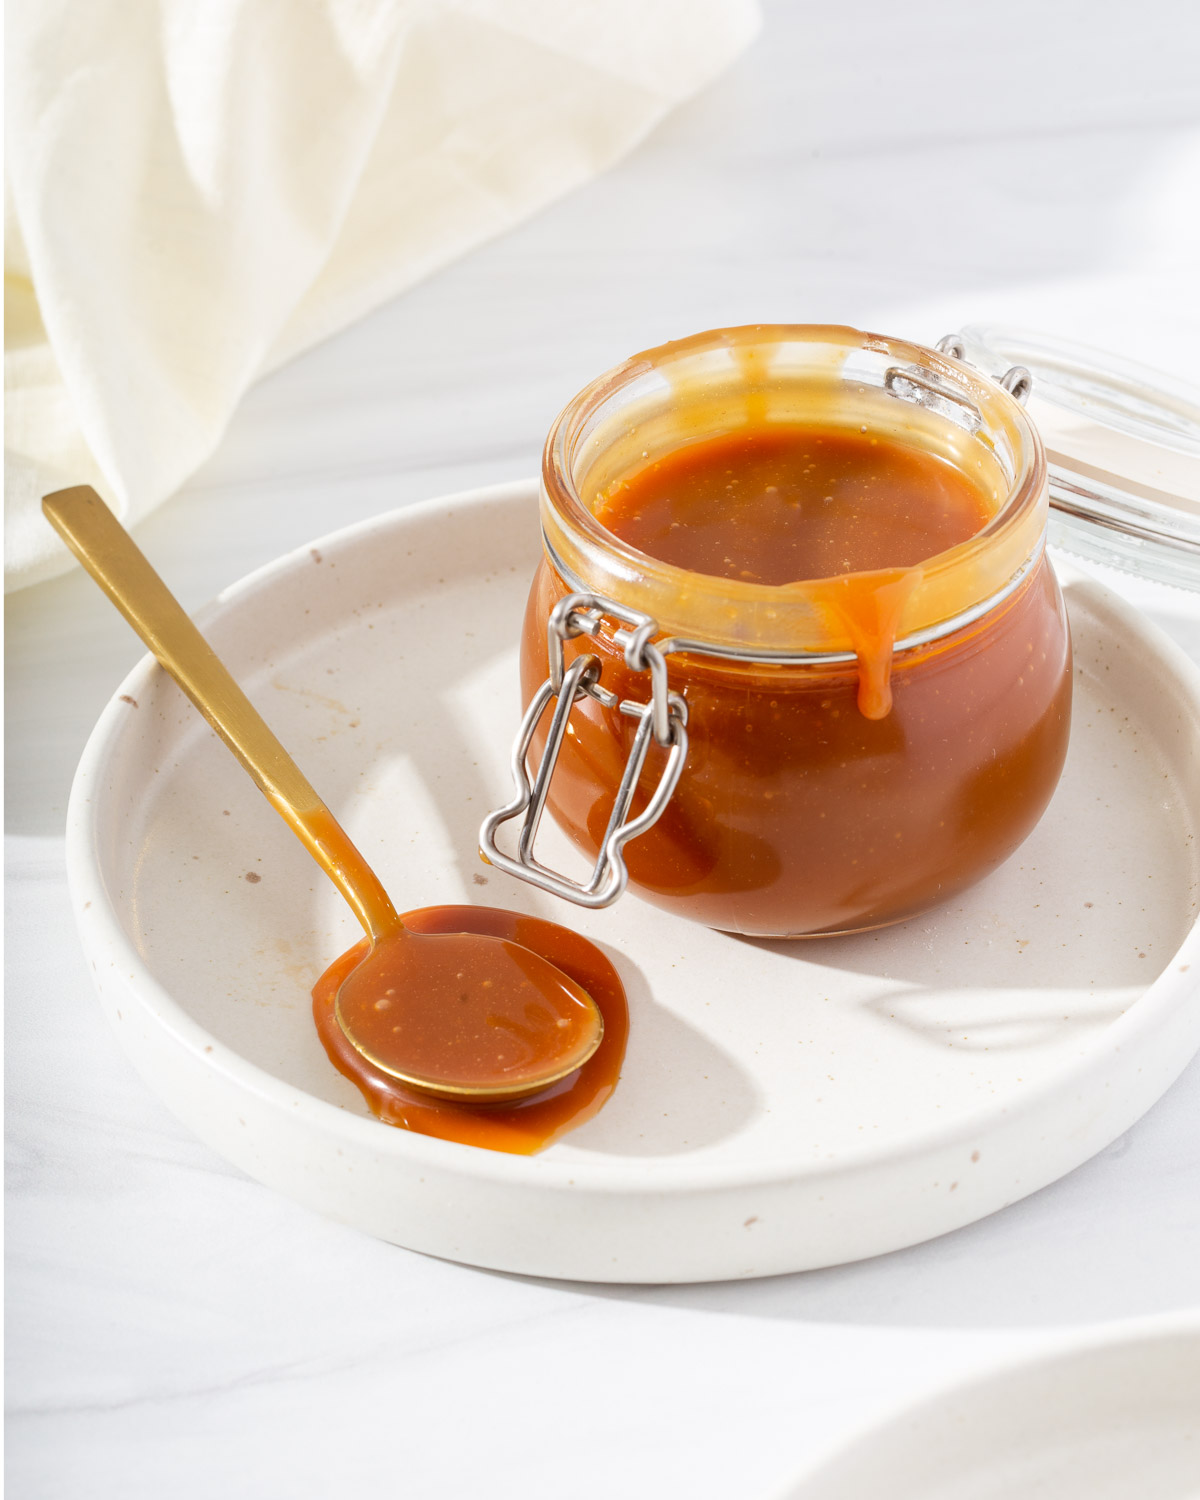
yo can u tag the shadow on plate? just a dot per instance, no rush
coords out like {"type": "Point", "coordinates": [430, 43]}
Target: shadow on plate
{"type": "Point", "coordinates": [657, 1109]}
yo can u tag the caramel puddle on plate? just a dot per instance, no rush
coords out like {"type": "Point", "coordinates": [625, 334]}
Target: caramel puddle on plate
{"type": "Point", "coordinates": [524, 1127]}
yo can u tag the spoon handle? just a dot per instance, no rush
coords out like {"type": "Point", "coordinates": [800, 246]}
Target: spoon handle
{"type": "Point", "coordinates": [113, 559]}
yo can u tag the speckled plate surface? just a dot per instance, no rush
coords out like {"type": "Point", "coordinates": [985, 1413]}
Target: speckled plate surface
{"type": "Point", "coordinates": [783, 1106]}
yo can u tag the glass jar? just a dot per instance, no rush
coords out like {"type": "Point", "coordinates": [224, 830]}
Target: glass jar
{"type": "Point", "coordinates": [792, 774]}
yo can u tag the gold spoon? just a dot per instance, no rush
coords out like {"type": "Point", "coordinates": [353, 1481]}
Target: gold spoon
{"type": "Point", "coordinates": [459, 1016]}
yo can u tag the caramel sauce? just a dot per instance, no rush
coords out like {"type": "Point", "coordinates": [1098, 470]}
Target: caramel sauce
{"type": "Point", "coordinates": [522, 1127]}
{"type": "Point", "coordinates": [458, 1013]}
{"type": "Point", "coordinates": [819, 798]}
{"type": "Point", "coordinates": [777, 505]}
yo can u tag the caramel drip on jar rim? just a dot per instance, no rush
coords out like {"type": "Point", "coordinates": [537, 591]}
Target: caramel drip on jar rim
{"type": "Point", "coordinates": [768, 377]}
{"type": "Point", "coordinates": [854, 515]}
{"type": "Point", "coordinates": [869, 606]}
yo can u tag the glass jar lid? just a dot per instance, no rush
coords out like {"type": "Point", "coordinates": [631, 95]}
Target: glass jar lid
{"type": "Point", "coordinates": [1122, 448]}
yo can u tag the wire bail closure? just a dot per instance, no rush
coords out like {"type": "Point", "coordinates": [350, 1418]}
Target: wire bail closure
{"type": "Point", "coordinates": [1016, 380]}
{"type": "Point", "coordinates": [663, 718]}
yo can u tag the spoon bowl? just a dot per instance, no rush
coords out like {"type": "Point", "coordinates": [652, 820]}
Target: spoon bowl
{"type": "Point", "coordinates": [461, 1016]}
{"type": "Point", "coordinates": [466, 1017]}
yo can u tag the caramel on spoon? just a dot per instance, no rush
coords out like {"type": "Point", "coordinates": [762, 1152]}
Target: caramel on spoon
{"type": "Point", "coordinates": [459, 1016]}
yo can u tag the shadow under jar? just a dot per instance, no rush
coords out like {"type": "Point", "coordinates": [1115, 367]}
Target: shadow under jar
{"type": "Point", "coordinates": [861, 746]}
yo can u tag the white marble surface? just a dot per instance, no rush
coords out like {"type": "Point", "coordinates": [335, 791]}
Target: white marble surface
{"type": "Point", "coordinates": [174, 1328]}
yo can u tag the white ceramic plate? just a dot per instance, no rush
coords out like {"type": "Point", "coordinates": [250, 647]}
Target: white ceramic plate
{"type": "Point", "coordinates": [783, 1106]}
{"type": "Point", "coordinates": [1111, 1418]}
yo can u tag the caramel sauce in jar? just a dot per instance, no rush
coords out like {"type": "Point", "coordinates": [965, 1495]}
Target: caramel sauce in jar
{"type": "Point", "coordinates": [761, 497]}
{"type": "Point", "coordinates": [774, 504]}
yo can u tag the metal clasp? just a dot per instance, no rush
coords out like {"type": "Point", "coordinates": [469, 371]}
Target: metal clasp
{"type": "Point", "coordinates": [663, 717]}
{"type": "Point", "coordinates": [912, 384]}
{"type": "Point", "coordinates": [1016, 380]}
{"type": "Point", "coordinates": [923, 388]}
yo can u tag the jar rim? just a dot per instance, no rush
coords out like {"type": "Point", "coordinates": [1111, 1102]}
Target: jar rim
{"type": "Point", "coordinates": [794, 616]}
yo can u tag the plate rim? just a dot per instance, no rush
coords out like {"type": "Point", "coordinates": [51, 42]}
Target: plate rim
{"type": "Point", "coordinates": [999, 1370]}
{"type": "Point", "coordinates": [97, 922]}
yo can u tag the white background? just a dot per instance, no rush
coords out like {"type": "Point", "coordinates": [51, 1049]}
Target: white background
{"type": "Point", "coordinates": [173, 1328]}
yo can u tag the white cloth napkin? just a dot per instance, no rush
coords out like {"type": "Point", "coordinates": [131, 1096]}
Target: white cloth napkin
{"type": "Point", "coordinates": [199, 189]}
